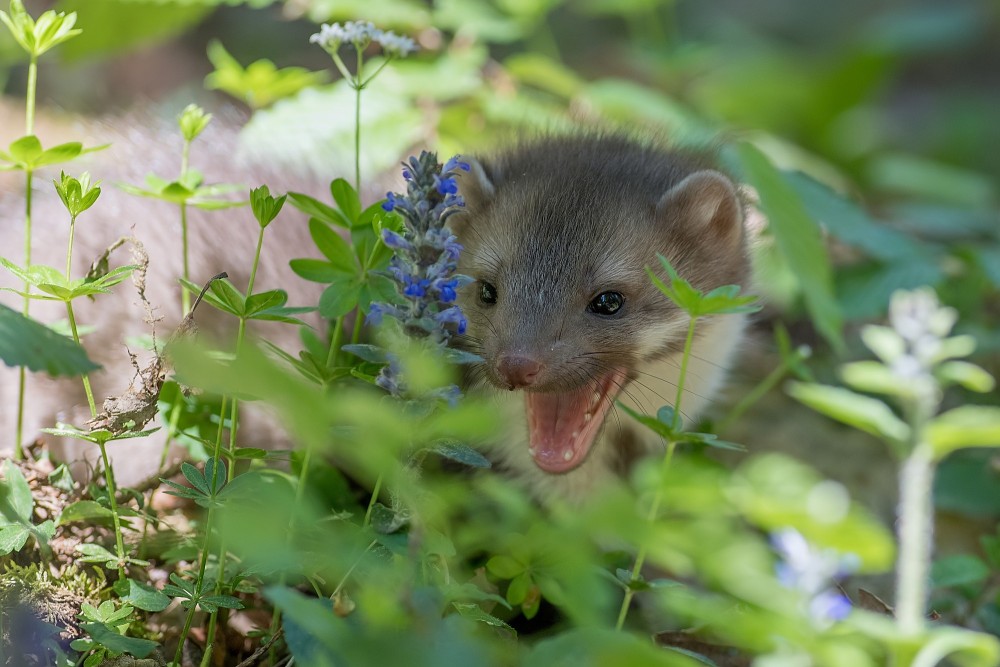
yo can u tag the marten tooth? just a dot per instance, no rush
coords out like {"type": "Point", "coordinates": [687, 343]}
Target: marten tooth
{"type": "Point", "coordinates": [575, 434]}
{"type": "Point", "coordinates": [587, 416]}
{"type": "Point", "coordinates": [567, 455]}
{"type": "Point", "coordinates": [531, 450]}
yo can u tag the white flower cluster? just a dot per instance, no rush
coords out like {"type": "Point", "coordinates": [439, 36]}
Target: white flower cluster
{"type": "Point", "coordinates": [922, 323]}
{"type": "Point", "coordinates": [360, 34]}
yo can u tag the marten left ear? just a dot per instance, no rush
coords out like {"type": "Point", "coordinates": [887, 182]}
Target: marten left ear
{"type": "Point", "coordinates": [704, 203]}
{"type": "Point", "coordinates": [476, 188]}
{"type": "Point", "coordinates": [475, 185]}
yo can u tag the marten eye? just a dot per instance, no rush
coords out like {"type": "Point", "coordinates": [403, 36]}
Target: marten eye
{"type": "Point", "coordinates": [487, 292]}
{"type": "Point", "coordinates": [606, 303]}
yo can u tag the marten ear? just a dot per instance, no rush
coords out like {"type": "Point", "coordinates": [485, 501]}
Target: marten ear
{"type": "Point", "coordinates": [704, 203]}
{"type": "Point", "coordinates": [477, 189]}
{"type": "Point", "coordinates": [476, 185]}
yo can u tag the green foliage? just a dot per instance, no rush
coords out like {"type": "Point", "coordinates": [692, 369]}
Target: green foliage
{"type": "Point", "coordinates": [16, 511]}
{"type": "Point", "coordinates": [24, 342]}
{"type": "Point", "coordinates": [36, 36]}
{"type": "Point", "coordinates": [260, 84]}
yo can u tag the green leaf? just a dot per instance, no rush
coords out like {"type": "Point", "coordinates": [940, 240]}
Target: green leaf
{"type": "Point", "coordinates": [965, 426]}
{"type": "Point", "coordinates": [505, 567]}
{"type": "Point", "coordinates": [966, 375]}
{"type": "Point", "coordinates": [340, 298]}
{"type": "Point", "coordinates": [61, 153]}
{"type": "Point", "coordinates": [113, 641]}
{"type": "Point", "coordinates": [84, 510]}
{"type": "Point", "coordinates": [231, 299]}
{"type": "Point", "coordinates": [461, 453]}
{"type": "Point", "coordinates": [264, 300]}
{"type": "Point", "coordinates": [16, 503]}
{"type": "Point", "coordinates": [347, 199]}
{"type": "Point", "coordinates": [333, 247]}
{"type": "Point", "coordinates": [658, 427]}
{"type": "Point", "coordinates": [370, 353]}
{"type": "Point", "coordinates": [24, 342]}
{"type": "Point", "coordinates": [798, 240]}
{"type": "Point", "coordinates": [959, 570]}
{"type": "Point", "coordinates": [315, 270]}
{"type": "Point", "coordinates": [862, 412]}
{"type": "Point", "coordinates": [260, 84]}
{"type": "Point", "coordinates": [95, 553]}
{"type": "Point", "coordinates": [314, 208]}
{"type": "Point", "coordinates": [141, 595]}
{"type": "Point", "coordinates": [26, 149]}
{"type": "Point", "coordinates": [13, 538]}
{"type": "Point", "coordinates": [474, 612]}
{"type": "Point", "coordinates": [195, 477]}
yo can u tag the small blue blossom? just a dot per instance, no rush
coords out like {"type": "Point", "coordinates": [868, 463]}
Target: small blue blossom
{"type": "Point", "coordinates": [395, 241]}
{"type": "Point", "coordinates": [446, 186]}
{"type": "Point", "coordinates": [390, 202]}
{"type": "Point", "coordinates": [454, 316]}
{"type": "Point", "coordinates": [446, 290]}
{"type": "Point", "coordinates": [416, 287]}
{"type": "Point", "coordinates": [813, 572]}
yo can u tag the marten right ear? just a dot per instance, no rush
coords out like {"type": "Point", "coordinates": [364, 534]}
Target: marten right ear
{"type": "Point", "coordinates": [706, 204]}
{"type": "Point", "coordinates": [476, 185]}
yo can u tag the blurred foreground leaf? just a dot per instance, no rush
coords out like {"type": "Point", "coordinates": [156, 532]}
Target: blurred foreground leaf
{"type": "Point", "coordinates": [24, 342]}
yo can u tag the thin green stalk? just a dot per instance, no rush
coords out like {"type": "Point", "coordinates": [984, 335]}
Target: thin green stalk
{"type": "Point", "coordinates": [338, 333]}
{"type": "Point", "coordinates": [358, 87]}
{"type": "Point", "coordinates": [654, 508]}
{"type": "Point", "coordinates": [916, 526]}
{"type": "Point", "coordinates": [374, 498]}
{"type": "Point", "coordinates": [299, 495]}
{"type": "Point", "coordinates": [203, 561]}
{"type": "Point", "coordinates": [69, 249]}
{"type": "Point", "coordinates": [185, 297]}
{"type": "Point", "coordinates": [29, 106]}
{"type": "Point", "coordinates": [202, 565]}
{"type": "Point", "coordinates": [754, 395]}
{"type": "Point", "coordinates": [29, 128]}
{"type": "Point", "coordinates": [359, 320]}
{"type": "Point", "coordinates": [86, 378]}
{"type": "Point", "coordinates": [109, 482]}
{"type": "Point", "coordinates": [22, 373]}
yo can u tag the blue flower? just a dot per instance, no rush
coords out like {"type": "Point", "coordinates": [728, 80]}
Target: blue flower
{"type": "Point", "coordinates": [454, 316]}
{"type": "Point", "coordinates": [376, 311]}
{"type": "Point", "coordinates": [425, 257]}
{"type": "Point", "coordinates": [447, 185]}
{"type": "Point", "coordinates": [455, 163]}
{"type": "Point", "coordinates": [446, 290]}
{"type": "Point", "coordinates": [396, 241]}
{"type": "Point", "coordinates": [812, 572]}
{"type": "Point", "coordinates": [416, 287]}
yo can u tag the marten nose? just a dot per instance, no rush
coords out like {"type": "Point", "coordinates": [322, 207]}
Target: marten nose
{"type": "Point", "coordinates": [518, 371]}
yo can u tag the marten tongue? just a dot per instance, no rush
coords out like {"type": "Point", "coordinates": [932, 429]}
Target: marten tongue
{"type": "Point", "coordinates": [562, 426]}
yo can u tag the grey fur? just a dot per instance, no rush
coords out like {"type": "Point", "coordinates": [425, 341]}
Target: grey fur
{"type": "Point", "coordinates": [553, 223]}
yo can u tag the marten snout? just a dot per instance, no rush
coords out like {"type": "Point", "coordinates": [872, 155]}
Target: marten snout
{"type": "Point", "coordinates": [518, 371]}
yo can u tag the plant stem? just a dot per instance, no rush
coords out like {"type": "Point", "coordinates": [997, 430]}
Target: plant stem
{"type": "Point", "coordinates": [22, 373]}
{"type": "Point", "coordinates": [69, 248]}
{"type": "Point", "coordinates": [654, 507]}
{"type": "Point", "coordinates": [185, 297]}
{"type": "Point", "coordinates": [109, 482]}
{"type": "Point", "coordinates": [86, 377]}
{"type": "Point", "coordinates": [29, 102]}
{"type": "Point", "coordinates": [338, 333]}
{"type": "Point", "coordinates": [916, 529]}
{"type": "Point", "coordinates": [754, 395]}
{"type": "Point", "coordinates": [358, 87]}
{"type": "Point", "coordinates": [359, 320]}
{"type": "Point", "coordinates": [374, 498]}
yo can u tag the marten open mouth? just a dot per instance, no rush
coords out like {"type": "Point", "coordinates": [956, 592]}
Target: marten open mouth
{"type": "Point", "coordinates": [562, 426]}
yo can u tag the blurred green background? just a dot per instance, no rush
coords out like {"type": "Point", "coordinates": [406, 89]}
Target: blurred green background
{"type": "Point", "coordinates": [882, 117]}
